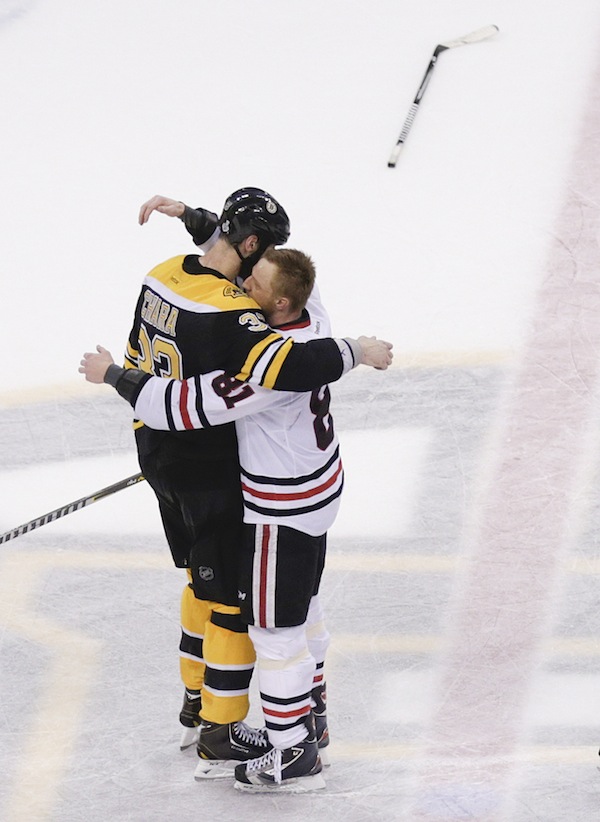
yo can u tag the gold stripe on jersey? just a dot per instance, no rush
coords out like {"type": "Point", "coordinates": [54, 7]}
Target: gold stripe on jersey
{"type": "Point", "coordinates": [273, 370]}
{"type": "Point", "coordinates": [216, 293]}
{"type": "Point", "coordinates": [131, 356]}
{"type": "Point", "coordinates": [255, 354]}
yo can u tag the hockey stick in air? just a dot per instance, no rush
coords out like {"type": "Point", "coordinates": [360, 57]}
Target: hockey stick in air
{"type": "Point", "coordinates": [70, 507]}
{"type": "Point", "coordinates": [473, 37]}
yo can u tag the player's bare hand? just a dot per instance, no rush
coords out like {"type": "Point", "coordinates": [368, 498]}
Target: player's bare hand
{"type": "Point", "coordinates": [95, 365]}
{"type": "Point", "coordinates": [172, 208]}
{"type": "Point", "coordinates": [376, 353]}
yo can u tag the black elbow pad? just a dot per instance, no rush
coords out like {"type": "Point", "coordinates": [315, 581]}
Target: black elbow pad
{"type": "Point", "coordinates": [200, 223]}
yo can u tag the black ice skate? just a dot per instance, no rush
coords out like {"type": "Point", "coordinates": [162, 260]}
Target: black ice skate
{"type": "Point", "coordinates": [292, 770]}
{"type": "Point", "coordinates": [222, 747]}
{"type": "Point", "coordinates": [319, 698]}
{"type": "Point", "coordinates": [189, 717]}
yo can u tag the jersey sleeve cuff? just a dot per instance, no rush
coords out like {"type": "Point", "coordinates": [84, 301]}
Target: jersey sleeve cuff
{"type": "Point", "coordinates": [351, 353]}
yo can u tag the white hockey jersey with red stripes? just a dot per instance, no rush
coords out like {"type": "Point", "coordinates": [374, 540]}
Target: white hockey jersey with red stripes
{"type": "Point", "coordinates": [291, 470]}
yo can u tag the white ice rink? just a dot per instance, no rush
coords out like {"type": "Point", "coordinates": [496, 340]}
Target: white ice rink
{"type": "Point", "coordinates": [462, 587]}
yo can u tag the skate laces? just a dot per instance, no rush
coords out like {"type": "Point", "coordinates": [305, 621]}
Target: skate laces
{"type": "Point", "coordinates": [272, 759]}
{"type": "Point", "coordinates": [252, 736]}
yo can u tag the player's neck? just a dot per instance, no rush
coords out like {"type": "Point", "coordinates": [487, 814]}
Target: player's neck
{"type": "Point", "coordinates": [223, 258]}
{"type": "Point", "coordinates": [276, 318]}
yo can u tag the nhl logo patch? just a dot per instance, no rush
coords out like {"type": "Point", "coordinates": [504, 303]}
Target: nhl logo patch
{"type": "Point", "coordinates": [205, 573]}
{"type": "Point", "coordinates": [271, 207]}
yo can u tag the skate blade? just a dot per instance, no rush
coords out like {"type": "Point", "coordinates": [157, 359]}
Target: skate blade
{"type": "Point", "coordinates": [215, 769]}
{"type": "Point", "coordinates": [324, 756]}
{"type": "Point", "coordinates": [301, 784]}
{"type": "Point", "coordinates": [189, 737]}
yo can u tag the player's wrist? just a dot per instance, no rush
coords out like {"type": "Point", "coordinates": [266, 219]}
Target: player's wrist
{"type": "Point", "coordinates": [113, 374]}
{"type": "Point", "coordinates": [351, 351]}
{"type": "Point", "coordinates": [128, 382]}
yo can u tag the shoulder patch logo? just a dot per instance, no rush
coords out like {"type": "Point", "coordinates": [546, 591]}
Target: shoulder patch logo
{"type": "Point", "coordinates": [233, 291]}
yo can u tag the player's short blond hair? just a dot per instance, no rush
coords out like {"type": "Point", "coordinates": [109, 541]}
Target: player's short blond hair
{"type": "Point", "coordinates": [295, 276]}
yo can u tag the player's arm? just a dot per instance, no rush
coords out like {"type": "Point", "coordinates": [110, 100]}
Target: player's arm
{"type": "Point", "coordinates": [201, 223]}
{"type": "Point", "coordinates": [198, 402]}
{"type": "Point", "coordinates": [178, 405]}
{"type": "Point", "coordinates": [277, 362]}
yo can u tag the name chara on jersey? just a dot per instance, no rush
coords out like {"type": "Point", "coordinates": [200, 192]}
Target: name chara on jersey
{"type": "Point", "coordinates": [159, 313]}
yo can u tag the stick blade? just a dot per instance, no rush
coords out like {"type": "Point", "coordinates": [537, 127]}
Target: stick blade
{"type": "Point", "coordinates": [473, 37]}
{"type": "Point", "coordinates": [394, 155]}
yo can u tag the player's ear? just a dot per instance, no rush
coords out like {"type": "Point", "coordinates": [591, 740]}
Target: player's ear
{"type": "Point", "coordinates": [251, 244]}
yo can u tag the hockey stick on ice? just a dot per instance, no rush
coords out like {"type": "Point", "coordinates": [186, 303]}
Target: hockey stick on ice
{"type": "Point", "coordinates": [70, 507]}
{"type": "Point", "coordinates": [473, 37]}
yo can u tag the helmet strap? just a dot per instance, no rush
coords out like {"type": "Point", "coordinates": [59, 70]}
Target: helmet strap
{"type": "Point", "coordinates": [248, 263]}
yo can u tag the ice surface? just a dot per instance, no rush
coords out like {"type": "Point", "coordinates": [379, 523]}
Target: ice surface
{"type": "Point", "coordinates": [462, 585]}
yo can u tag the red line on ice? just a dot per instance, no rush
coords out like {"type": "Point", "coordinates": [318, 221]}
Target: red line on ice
{"type": "Point", "coordinates": [525, 514]}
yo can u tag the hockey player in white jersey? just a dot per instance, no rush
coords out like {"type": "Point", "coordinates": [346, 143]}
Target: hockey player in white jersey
{"type": "Point", "coordinates": [292, 479]}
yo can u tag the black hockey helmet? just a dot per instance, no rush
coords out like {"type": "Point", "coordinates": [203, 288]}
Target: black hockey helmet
{"type": "Point", "coordinates": [253, 211]}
